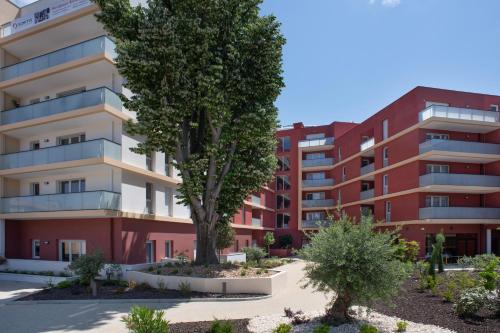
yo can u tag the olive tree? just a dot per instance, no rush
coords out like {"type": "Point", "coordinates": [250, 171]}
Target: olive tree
{"type": "Point", "coordinates": [355, 262]}
{"type": "Point", "coordinates": [204, 76]}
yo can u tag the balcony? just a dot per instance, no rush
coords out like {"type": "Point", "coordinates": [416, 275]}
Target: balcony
{"type": "Point", "coordinates": [317, 182]}
{"type": "Point", "coordinates": [367, 169]}
{"type": "Point", "coordinates": [459, 151]}
{"type": "Point", "coordinates": [315, 224]}
{"type": "Point", "coordinates": [316, 144]}
{"type": "Point", "coordinates": [459, 183]}
{"type": "Point", "coordinates": [97, 200]}
{"type": "Point", "coordinates": [59, 105]}
{"type": "Point", "coordinates": [366, 147]}
{"type": "Point", "coordinates": [256, 222]}
{"type": "Point", "coordinates": [317, 163]}
{"type": "Point", "coordinates": [79, 151]}
{"type": "Point", "coordinates": [71, 53]}
{"type": "Point", "coordinates": [368, 194]}
{"type": "Point", "coordinates": [256, 200]}
{"type": "Point", "coordinates": [476, 213]}
{"type": "Point", "coordinates": [459, 119]}
{"type": "Point", "coordinates": [315, 203]}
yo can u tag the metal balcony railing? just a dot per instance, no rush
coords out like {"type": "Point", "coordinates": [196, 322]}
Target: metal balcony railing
{"type": "Point", "coordinates": [459, 213]}
{"type": "Point", "coordinates": [317, 182]}
{"type": "Point", "coordinates": [367, 169]}
{"type": "Point", "coordinates": [368, 194]}
{"type": "Point", "coordinates": [316, 142]}
{"type": "Point", "coordinates": [315, 223]}
{"type": "Point", "coordinates": [318, 162]}
{"type": "Point", "coordinates": [459, 147]}
{"type": "Point", "coordinates": [459, 180]}
{"type": "Point", "coordinates": [449, 112]}
{"type": "Point", "coordinates": [318, 203]}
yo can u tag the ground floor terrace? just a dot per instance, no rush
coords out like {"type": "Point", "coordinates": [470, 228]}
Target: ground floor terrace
{"type": "Point", "coordinates": [122, 240]}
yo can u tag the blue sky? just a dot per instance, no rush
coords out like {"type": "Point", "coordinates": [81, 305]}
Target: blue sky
{"type": "Point", "coordinates": [346, 59]}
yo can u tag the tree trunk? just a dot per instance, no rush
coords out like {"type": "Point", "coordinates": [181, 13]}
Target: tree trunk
{"type": "Point", "coordinates": [93, 286]}
{"type": "Point", "coordinates": [206, 251]}
{"type": "Point", "coordinates": [339, 312]}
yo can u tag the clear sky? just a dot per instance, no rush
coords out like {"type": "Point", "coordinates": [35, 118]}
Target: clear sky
{"type": "Point", "coordinates": [346, 59]}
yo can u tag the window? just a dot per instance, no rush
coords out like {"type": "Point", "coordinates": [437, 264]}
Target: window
{"type": "Point", "coordinates": [247, 243]}
{"type": "Point", "coordinates": [70, 250]}
{"type": "Point", "coordinates": [284, 143]}
{"type": "Point", "coordinates": [168, 166]}
{"type": "Point", "coordinates": [282, 183]}
{"type": "Point", "coordinates": [169, 201]}
{"type": "Point", "coordinates": [339, 154]}
{"type": "Point", "coordinates": [35, 189]}
{"type": "Point", "coordinates": [72, 186]}
{"type": "Point", "coordinates": [315, 175]}
{"type": "Point", "coordinates": [315, 216]}
{"type": "Point", "coordinates": [438, 168]}
{"type": "Point", "coordinates": [494, 107]}
{"type": "Point", "coordinates": [385, 129]}
{"type": "Point", "coordinates": [283, 163]}
{"type": "Point", "coordinates": [282, 201]}
{"type": "Point", "coordinates": [168, 248]}
{"type": "Point", "coordinates": [149, 161]}
{"type": "Point", "coordinates": [70, 139]}
{"type": "Point", "coordinates": [437, 136]}
{"type": "Point", "coordinates": [35, 249]}
{"type": "Point", "coordinates": [315, 136]}
{"type": "Point", "coordinates": [149, 198]}
{"type": "Point", "coordinates": [315, 156]}
{"type": "Point", "coordinates": [344, 173]}
{"type": "Point", "coordinates": [282, 221]}
{"type": "Point", "coordinates": [150, 251]}
{"type": "Point", "coordinates": [71, 92]}
{"type": "Point", "coordinates": [315, 196]}
{"type": "Point", "coordinates": [35, 145]}
{"type": "Point", "coordinates": [388, 208]}
{"type": "Point", "coordinates": [339, 196]}
{"type": "Point", "coordinates": [385, 156]}
{"type": "Point", "coordinates": [365, 162]}
{"type": "Point", "coordinates": [365, 187]}
{"type": "Point", "coordinates": [437, 201]}
{"type": "Point", "coordinates": [237, 245]}
{"type": "Point", "coordinates": [385, 180]}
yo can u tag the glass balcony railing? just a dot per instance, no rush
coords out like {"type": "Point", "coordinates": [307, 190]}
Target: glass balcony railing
{"type": "Point", "coordinates": [459, 147]}
{"type": "Point", "coordinates": [316, 142]}
{"type": "Point", "coordinates": [368, 194]}
{"type": "Point", "coordinates": [72, 152]}
{"type": "Point", "coordinates": [67, 54]}
{"type": "Point", "coordinates": [62, 104]}
{"type": "Point", "coordinates": [256, 200]}
{"type": "Point", "coordinates": [317, 182]}
{"type": "Point", "coordinates": [367, 144]}
{"type": "Point", "coordinates": [97, 200]}
{"type": "Point", "coordinates": [317, 162]}
{"type": "Point", "coordinates": [448, 112]}
{"type": "Point", "coordinates": [310, 224]}
{"type": "Point", "coordinates": [256, 222]}
{"type": "Point", "coordinates": [459, 213]}
{"type": "Point", "coordinates": [459, 180]}
{"type": "Point", "coordinates": [318, 203]}
{"type": "Point", "coordinates": [367, 169]}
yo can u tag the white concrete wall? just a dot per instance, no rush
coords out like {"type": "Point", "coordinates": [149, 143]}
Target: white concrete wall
{"type": "Point", "coordinates": [35, 265]}
{"type": "Point", "coordinates": [179, 209]}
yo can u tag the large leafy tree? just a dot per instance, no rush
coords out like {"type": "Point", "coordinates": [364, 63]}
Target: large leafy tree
{"type": "Point", "coordinates": [205, 75]}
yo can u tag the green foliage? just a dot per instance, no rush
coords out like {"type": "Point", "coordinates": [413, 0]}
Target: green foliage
{"type": "Point", "coordinates": [401, 326]}
{"type": "Point", "coordinates": [450, 291]}
{"type": "Point", "coordinates": [368, 329]}
{"type": "Point", "coordinates": [324, 328]}
{"type": "Point", "coordinates": [88, 266]}
{"type": "Point", "coordinates": [422, 270]}
{"type": "Point", "coordinates": [144, 320]}
{"type": "Point", "coordinates": [204, 77]}
{"type": "Point", "coordinates": [254, 253]}
{"type": "Point", "coordinates": [283, 328]}
{"type": "Point", "coordinates": [489, 276]}
{"type": "Point", "coordinates": [285, 241]}
{"type": "Point", "coordinates": [465, 280]}
{"type": "Point", "coordinates": [471, 301]}
{"type": "Point", "coordinates": [349, 259]}
{"type": "Point", "coordinates": [478, 262]}
{"type": "Point", "coordinates": [225, 236]}
{"type": "Point", "coordinates": [269, 240]}
{"type": "Point", "coordinates": [221, 326]}
{"type": "Point", "coordinates": [185, 289]}
{"type": "Point", "coordinates": [407, 251]}
{"type": "Point", "coordinates": [65, 284]}
{"type": "Point", "coordinates": [437, 255]}
{"type": "Point", "coordinates": [243, 272]}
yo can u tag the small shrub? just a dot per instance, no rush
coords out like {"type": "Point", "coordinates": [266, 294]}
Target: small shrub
{"type": "Point", "coordinates": [3, 260]}
{"type": "Point", "coordinates": [283, 328]}
{"type": "Point", "coordinates": [324, 328]}
{"type": "Point", "coordinates": [471, 301]}
{"type": "Point", "coordinates": [145, 320]}
{"type": "Point", "coordinates": [285, 241]}
{"type": "Point", "coordinates": [162, 286]}
{"type": "Point", "coordinates": [185, 289]}
{"type": "Point", "coordinates": [449, 292]}
{"type": "Point", "coordinates": [254, 253]}
{"type": "Point", "coordinates": [150, 268]}
{"type": "Point", "coordinates": [259, 271]}
{"type": "Point", "coordinates": [188, 271]}
{"type": "Point", "coordinates": [478, 262]}
{"type": "Point", "coordinates": [64, 284]}
{"type": "Point", "coordinates": [465, 280]}
{"type": "Point", "coordinates": [132, 284]}
{"type": "Point", "coordinates": [143, 287]}
{"type": "Point", "coordinates": [489, 276]}
{"type": "Point", "coordinates": [401, 326]}
{"type": "Point", "coordinates": [174, 271]}
{"type": "Point", "coordinates": [407, 251]}
{"type": "Point", "coordinates": [288, 312]}
{"type": "Point", "coordinates": [221, 326]}
{"type": "Point", "coordinates": [243, 272]}
{"type": "Point", "coordinates": [368, 329]}
{"type": "Point", "coordinates": [88, 266]}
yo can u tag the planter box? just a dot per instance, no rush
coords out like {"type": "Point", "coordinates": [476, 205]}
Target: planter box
{"type": "Point", "coordinates": [262, 285]}
{"type": "Point", "coordinates": [282, 253]}
{"type": "Point", "coordinates": [233, 257]}
{"type": "Point", "coordinates": [31, 265]}
{"type": "Point", "coordinates": [42, 279]}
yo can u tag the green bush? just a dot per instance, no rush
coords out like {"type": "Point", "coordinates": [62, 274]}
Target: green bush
{"type": "Point", "coordinates": [348, 259]}
{"type": "Point", "coordinates": [478, 262]}
{"type": "Point", "coordinates": [450, 291]}
{"type": "Point", "coordinates": [221, 326]}
{"type": "Point", "coordinates": [269, 240]}
{"type": "Point", "coordinates": [324, 328]}
{"type": "Point", "coordinates": [471, 301]}
{"type": "Point", "coordinates": [144, 320]}
{"type": "Point", "coordinates": [368, 329]}
{"type": "Point", "coordinates": [254, 253]}
{"type": "Point", "coordinates": [401, 326]}
{"type": "Point", "coordinates": [489, 276]}
{"type": "Point", "coordinates": [64, 284]}
{"type": "Point", "coordinates": [407, 251]}
{"type": "Point", "coordinates": [185, 289]}
{"type": "Point", "coordinates": [283, 328]}
{"type": "Point", "coordinates": [285, 241]}
{"type": "Point", "coordinates": [88, 266]}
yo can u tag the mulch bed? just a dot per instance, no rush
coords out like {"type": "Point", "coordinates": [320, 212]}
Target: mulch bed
{"type": "Point", "coordinates": [423, 307]}
{"type": "Point", "coordinates": [240, 326]}
{"type": "Point", "coordinates": [78, 292]}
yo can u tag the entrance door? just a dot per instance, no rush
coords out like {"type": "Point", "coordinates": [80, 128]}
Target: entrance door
{"type": "Point", "coordinates": [466, 245]}
{"type": "Point", "coordinates": [150, 252]}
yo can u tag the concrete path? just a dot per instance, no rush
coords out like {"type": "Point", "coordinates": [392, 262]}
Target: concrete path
{"type": "Point", "coordinates": [10, 290]}
{"type": "Point", "coordinates": [106, 317]}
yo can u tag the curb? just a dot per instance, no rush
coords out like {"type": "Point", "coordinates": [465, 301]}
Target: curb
{"type": "Point", "coordinates": [139, 300]}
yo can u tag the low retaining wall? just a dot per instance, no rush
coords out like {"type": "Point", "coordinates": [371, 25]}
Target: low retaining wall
{"type": "Point", "coordinates": [34, 265]}
{"type": "Point", "coordinates": [42, 279]}
{"type": "Point", "coordinates": [233, 257]}
{"type": "Point", "coordinates": [270, 285]}
{"type": "Point", "coordinates": [280, 252]}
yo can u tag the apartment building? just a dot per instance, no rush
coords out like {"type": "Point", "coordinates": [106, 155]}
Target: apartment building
{"type": "Point", "coordinates": [427, 163]}
{"type": "Point", "coordinates": [69, 182]}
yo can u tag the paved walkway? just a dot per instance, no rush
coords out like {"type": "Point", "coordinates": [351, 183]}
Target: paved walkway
{"type": "Point", "coordinates": [106, 317]}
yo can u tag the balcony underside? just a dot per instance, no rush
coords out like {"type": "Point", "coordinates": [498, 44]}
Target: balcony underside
{"type": "Point", "coordinates": [317, 188]}
{"type": "Point", "coordinates": [460, 189]}
{"type": "Point", "coordinates": [317, 168]}
{"type": "Point", "coordinates": [316, 148]}
{"type": "Point", "coordinates": [323, 208]}
{"type": "Point", "coordinates": [459, 157]}
{"type": "Point", "coordinates": [91, 165]}
{"type": "Point", "coordinates": [459, 125]}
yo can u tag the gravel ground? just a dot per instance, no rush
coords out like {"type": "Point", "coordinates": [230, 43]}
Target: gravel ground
{"type": "Point", "coordinates": [385, 324]}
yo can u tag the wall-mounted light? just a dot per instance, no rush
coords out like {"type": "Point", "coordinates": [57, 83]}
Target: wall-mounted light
{"type": "Point", "coordinates": [46, 140]}
{"type": "Point", "coordinates": [46, 242]}
{"type": "Point", "coordinates": [422, 229]}
{"type": "Point", "coordinates": [46, 183]}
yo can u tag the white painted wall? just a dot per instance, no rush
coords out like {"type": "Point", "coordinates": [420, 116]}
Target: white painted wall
{"type": "Point", "coordinates": [179, 209]}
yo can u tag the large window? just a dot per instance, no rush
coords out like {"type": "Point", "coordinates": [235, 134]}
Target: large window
{"type": "Point", "coordinates": [282, 183]}
{"type": "Point", "coordinates": [35, 249]}
{"type": "Point", "coordinates": [437, 201]}
{"type": "Point", "coordinates": [283, 163]}
{"type": "Point", "coordinates": [438, 168]}
{"type": "Point", "coordinates": [169, 201]}
{"type": "Point", "coordinates": [388, 211]}
{"type": "Point", "coordinates": [344, 173]}
{"type": "Point", "coordinates": [149, 161]}
{"type": "Point", "coordinates": [284, 143]}
{"type": "Point", "coordinates": [168, 248]}
{"type": "Point", "coordinates": [282, 201]}
{"type": "Point", "coordinates": [385, 129]}
{"type": "Point", "coordinates": [385, 156]}
{"type": "Point", "coordinates": [149, 198]}
{"type": "Point", "coordinates": [72, 186]}
{"type": "Point", "coordinates": [282, 221]}
{"type": "Point", "coordinates": [168, 166]}
{"type": "Point", "coordinates": [71, 139]}
{"type": "Point", "coordinates": [315, 196]}
{"type": "Point", "coordinates": [35, 188]}
{"type": "Point", "coordinates": [70, 250]}
{"type": "Point", "coordinates": [385, 180]}
{"type": "Point", "coordinates": [150, 251]}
